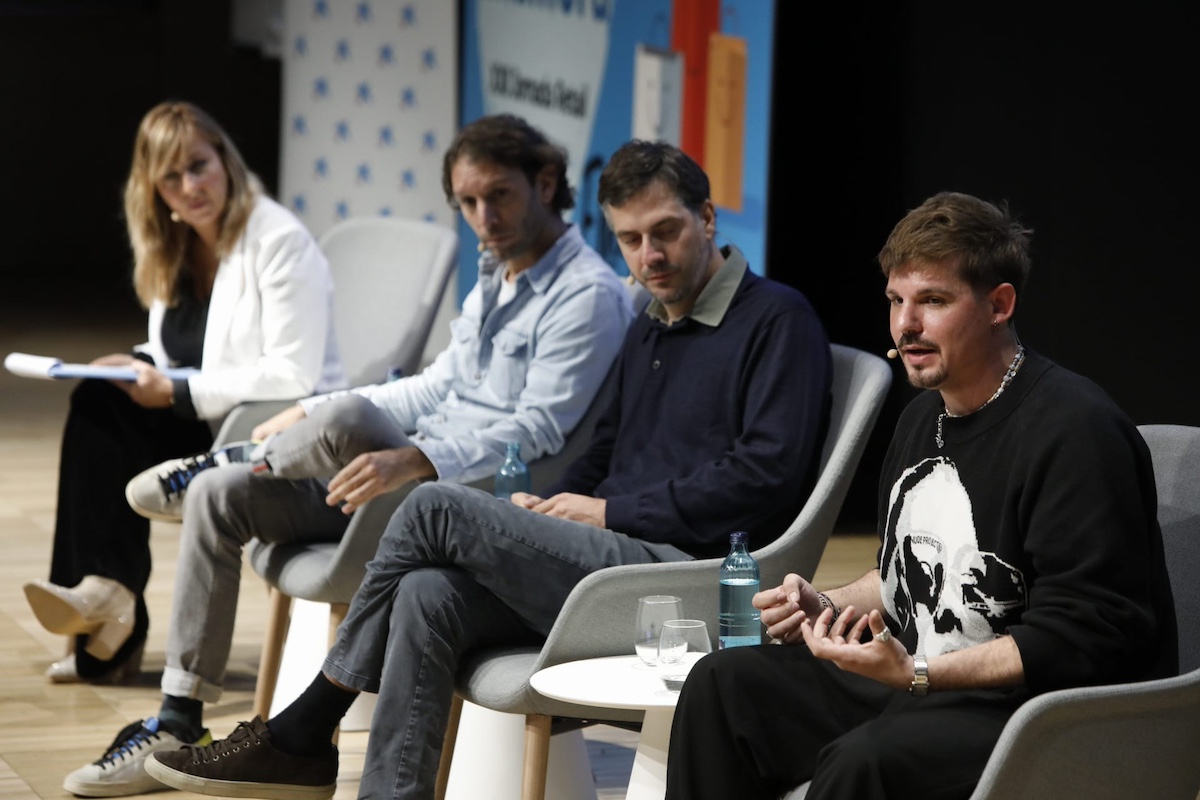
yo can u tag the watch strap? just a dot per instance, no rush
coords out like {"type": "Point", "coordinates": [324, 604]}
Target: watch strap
{"type": "Point", "coordinates": [920, 681]}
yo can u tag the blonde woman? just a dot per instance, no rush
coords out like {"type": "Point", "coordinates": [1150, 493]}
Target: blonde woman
{"type": "Point", "coordinates": [236, 287]}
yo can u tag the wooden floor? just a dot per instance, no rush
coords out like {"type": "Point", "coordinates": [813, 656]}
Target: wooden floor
{"type": "Point", "coordinates": [46, 731]}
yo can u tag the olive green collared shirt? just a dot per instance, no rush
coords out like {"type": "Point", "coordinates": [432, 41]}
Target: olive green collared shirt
{"type": "Point", "coordinates": [717, 294]}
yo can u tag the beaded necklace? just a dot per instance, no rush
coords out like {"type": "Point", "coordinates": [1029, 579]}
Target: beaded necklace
{"type": "Point", "coordinates": [1013, 366]}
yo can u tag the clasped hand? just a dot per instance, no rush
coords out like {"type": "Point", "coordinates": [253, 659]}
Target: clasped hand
{"type": "Point", "coordinates": [792, 612]}
{"type": "Point", "coordinates": [574, 507]}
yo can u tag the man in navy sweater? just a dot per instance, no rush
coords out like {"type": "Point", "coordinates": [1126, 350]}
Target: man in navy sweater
{"type": "Point", "coordinates": [721, 403]}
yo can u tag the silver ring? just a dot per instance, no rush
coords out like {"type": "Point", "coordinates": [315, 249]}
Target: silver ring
{"type": "Point", "coordinates": [885, 636]}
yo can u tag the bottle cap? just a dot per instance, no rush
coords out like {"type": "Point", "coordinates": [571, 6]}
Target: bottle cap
{"type": "Point", "coordinates": [739, 537]}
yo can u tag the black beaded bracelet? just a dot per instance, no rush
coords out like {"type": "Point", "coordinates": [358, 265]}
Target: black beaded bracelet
{"type": "Point", "coordinates": [827, 603]}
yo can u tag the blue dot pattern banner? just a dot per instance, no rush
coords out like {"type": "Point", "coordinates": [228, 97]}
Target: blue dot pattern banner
{"type": "Point", "coordinates": [370, 93]}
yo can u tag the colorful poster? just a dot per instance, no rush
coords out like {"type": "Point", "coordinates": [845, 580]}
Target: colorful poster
{"type": "Point", "coordinates": [725, 123]}
{"type": "Point", "coordinates": [545, 62]}
{"type": "Point", "coordinates": [658, 95]}
{"type": "Point", "coordinates": [581, 69]}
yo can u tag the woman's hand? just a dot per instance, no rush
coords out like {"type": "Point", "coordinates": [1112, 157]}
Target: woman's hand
{"type": "Point", "coordinates": [113, 360]}
{"type": "Point", "coordinates": [152, 389]}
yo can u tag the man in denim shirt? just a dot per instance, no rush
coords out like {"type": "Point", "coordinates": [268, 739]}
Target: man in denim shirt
{"type": "Point", "coordinates": [537, 335]}
{"type": "Point", "coordinates": [721, 403]}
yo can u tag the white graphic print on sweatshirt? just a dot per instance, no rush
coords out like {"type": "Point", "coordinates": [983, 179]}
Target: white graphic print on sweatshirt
{"type": "Point", "coordinates": [944, 591]}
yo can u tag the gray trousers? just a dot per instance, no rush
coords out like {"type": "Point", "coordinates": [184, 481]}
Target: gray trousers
{"type": "Point", "coordinates": [226, 506]}
{"type": "Point", "coordinates": [456, 570]}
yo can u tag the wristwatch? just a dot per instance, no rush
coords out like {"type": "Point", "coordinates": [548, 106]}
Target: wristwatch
{"type": "Point", "coordinates": [920, 681]}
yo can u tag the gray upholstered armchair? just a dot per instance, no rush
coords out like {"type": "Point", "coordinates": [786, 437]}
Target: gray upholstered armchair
{"type": "Point", "coordinates": [1129, 740]}
{"type": "Point", "coordinates": [389, 275]}
{"type": "Point", "coordinates": [1135, 739]}
{"type": "Point", "coordinates": [596, 619]}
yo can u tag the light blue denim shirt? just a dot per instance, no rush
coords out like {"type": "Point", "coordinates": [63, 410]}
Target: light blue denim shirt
{"type": "Point", "coordinates": [522, 372]}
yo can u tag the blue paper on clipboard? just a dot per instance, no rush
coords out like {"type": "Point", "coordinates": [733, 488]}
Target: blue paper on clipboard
{"type": "Point", "coordinates": [49, 368]}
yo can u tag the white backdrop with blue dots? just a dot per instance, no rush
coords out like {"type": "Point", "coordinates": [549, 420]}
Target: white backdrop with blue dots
{"type": "Point", "coordinates": [369, 105]}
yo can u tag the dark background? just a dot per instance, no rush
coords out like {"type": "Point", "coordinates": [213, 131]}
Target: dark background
{"type": "Point", "coordinates": [76, 77]}
{"type": "Point", "coordinates": [1082, 122]}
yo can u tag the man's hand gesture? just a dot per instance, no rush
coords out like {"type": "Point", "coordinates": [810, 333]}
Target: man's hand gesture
{"type": "Point", "coordinates": [786, 606]}
{"type": "Point", "coordinates": [881, 657]}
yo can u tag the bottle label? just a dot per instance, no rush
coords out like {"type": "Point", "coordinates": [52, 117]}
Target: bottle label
{"type": "Point", "coordinates": [739, 624]}
{"type": "Point", "coordinates": [738, 641]}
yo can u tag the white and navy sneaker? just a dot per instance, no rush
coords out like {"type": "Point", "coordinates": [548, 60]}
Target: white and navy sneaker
{"type": "Point", "coordinates": [121, 771]}
{"type": "Point", "coordinates": [157, 493]}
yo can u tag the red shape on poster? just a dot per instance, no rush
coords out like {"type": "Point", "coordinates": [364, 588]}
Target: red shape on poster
{"type": "Point", "coordinates": [692, 22]}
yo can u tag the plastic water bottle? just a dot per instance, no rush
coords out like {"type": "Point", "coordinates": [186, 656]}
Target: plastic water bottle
{"type": "Point", "coordinates": [513, 475]}
{"type": "Point", "coordinates": [738, 618]}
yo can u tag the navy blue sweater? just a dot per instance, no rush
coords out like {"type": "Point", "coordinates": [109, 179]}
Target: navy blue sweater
{"type": "Point", "coordinates": [713, 429]}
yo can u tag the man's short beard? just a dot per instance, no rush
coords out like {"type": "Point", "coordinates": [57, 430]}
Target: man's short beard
{"type": "Point", "coordinates": [927, 378]}
{"type": "Point", "coordinates": [676, 296]}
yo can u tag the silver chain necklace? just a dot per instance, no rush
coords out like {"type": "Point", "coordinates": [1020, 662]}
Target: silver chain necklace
{"type": "Point", "coordinates": [1013, 366]}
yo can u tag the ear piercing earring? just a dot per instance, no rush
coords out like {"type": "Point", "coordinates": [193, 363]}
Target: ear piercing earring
{"type": "Point", "coordinates": [175, 216]}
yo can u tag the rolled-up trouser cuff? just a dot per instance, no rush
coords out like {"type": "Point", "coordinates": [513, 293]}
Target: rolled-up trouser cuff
{"type": "Point", "coordinates": [178, 683]}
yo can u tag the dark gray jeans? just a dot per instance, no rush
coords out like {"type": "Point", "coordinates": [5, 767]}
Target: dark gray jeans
{"type": "Point", "coordinates": [226, 506]}
{"type": "Point", "coordinates": [456, 570]}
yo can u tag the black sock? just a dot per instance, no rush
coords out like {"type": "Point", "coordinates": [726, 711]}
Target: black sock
{"type": "Point", "coordinates": [182, 717]}
{"type": "Point", "coordinates": [305, 728]}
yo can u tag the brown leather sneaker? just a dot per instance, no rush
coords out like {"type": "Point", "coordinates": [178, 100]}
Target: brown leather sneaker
{"type": "Point", "coordinates": [247, 765]}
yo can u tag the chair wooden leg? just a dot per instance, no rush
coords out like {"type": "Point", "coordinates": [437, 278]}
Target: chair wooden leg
{"type": "Point", "coordinates": [537, 756]}
{"type": "Point", "coordinates": [443, 777]}
{"type": "Point", "coordinates": [337, 613]}
{"type": "Point", "coordinates": [278, 618]}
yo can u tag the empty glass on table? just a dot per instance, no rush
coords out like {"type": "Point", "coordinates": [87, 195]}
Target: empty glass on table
{"type": "Point", "coordinates": [652, 612]}
{"type": "Point", "coordinates": [683, 642]}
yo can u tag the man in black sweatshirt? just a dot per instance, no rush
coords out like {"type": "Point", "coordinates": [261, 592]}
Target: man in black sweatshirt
{"type": "Point", "coordinates": [1019, 552]}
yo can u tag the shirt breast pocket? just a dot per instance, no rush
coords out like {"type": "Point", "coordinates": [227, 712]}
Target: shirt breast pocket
{"type": "Point", "coordinates": [465, 335]}
{"type": "Point", "coordinates": [510, 361]}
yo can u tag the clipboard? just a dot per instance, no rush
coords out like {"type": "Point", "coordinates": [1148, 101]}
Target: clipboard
{"type": "Point", "coordinates": [50, 368]}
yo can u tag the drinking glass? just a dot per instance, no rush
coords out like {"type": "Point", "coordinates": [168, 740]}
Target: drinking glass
{"type": "Point", "coordinates": [652, 612]}
{"type": "Point", "coordinates": [683, 642]}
